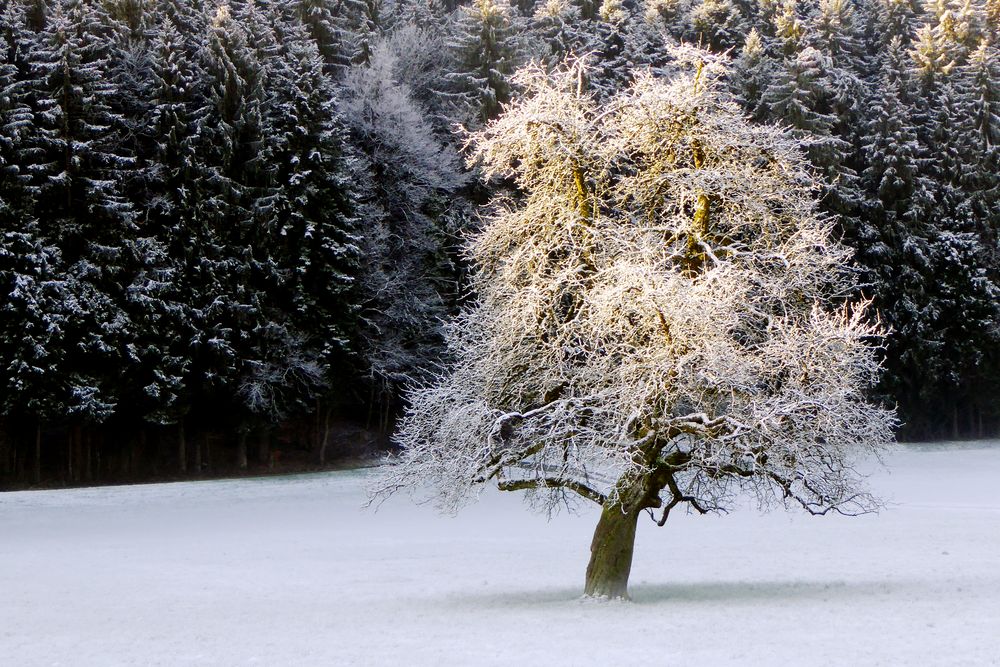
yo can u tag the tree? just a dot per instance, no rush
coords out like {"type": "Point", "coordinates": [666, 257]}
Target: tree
{"type": "Point", "coordinates": [76, 166]}
{"type": "Point", "coordinates": [834, 32]}
{"type": "Point", "coordinates": [484, 50]}
{"type": "Point", "coordinates": [406, 181]}
{"type": "Point", "coordinates": [893, 19]}
{"type": "Point", "coordinates": [337, 27]}
{"type": "Point", "coordinates": [306, 231]}
{"type": "Point", "coordinates": [557, 33]}
{"type": "Point", "coordinates": [801, 95]}
{"type": "Point", "coordinates": [752, 74]}
{"type": "Point", "coordinates": [718, 23]}
{"type": "Point", "coordinates": [659, 322]}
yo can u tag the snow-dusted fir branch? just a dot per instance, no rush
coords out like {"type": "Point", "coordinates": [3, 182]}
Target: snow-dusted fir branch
{"type": "Point", "coordinates": [658, 319]}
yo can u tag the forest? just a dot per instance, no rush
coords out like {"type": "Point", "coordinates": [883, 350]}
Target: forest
{"type": "Point", "coordinates": [231, 232]}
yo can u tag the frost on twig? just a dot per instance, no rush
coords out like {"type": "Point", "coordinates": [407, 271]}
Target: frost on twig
{"type": "Point", "coordinates": [659, 318]}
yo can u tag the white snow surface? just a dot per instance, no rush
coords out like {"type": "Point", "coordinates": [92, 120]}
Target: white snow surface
{"type": "Point", "coordinates": [293, 571]}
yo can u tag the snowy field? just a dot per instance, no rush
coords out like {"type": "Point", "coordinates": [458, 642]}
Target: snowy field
{"type": "Point", "coordinates": [291, 571]}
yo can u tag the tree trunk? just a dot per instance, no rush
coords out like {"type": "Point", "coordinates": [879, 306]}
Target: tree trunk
{"type": "Point", "coordinates": [69, 455]}
{"type": "Point", "coordinates": [264, 448]}
{"type": "Point", "coordinates": [99, 456]}
{"type": "Point", "coordinates": [137, 450]}
{"type": "Point", "coordinates": [611, 553]}
{"type": "Point", "coordinates": [241, 451]}
{"type": "Point", "coordinates": [324, 439]}
{"type": "Point", "coordinates": [88, 470]}
{"type": "Point", "coordinates": [17, 463]}
{"type": "Point", "coordinates": [37, 472]}
{"type": "Point", "coordinates": [182, 464]}
{"type": "Point", "coordinates": [197, 456]}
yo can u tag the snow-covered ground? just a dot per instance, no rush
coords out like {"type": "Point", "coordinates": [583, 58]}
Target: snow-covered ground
{"type": "Point", "coordinates": [291, 571]}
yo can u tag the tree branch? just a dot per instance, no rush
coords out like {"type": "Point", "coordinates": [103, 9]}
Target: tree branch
{"type": "Point", "coordinates": [553, 483]}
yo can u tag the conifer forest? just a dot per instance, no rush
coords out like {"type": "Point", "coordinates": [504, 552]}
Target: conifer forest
{"type": "Point", "coordinates": [233, 232]}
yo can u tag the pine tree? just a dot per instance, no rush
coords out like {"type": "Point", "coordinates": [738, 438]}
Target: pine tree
{"type": "Point", "coordinates": [892, 20]}
{"type": "Point", "coordinates": [15, 114]}
{"type": "Point", "coordinates": [788, 27]}
{"type": "Point", "coordinates": [666, 16]}
{"type": "Point", "coordinates": [891, 245]}
{"type": "Point", "coordinates": [834, 31]}
{"type": "Point", "coordinates": [245, 331]}
{"type": "Point", "coordinates": [978, 83]}
{"type": "Point", "coordinates": [165, 188]}
{"type": "Point", "coordinates": [340, 28]}
{"type": "Point", "coordinates": [308, 227]}
{"type": "Point", "coordinates": [77, 169]}
{"type": "Point", "coordinates": [35, 320]}
{"type": "Point", "coordinates": [800, 96]}
{"type": "Point", "coordinates": [32, 317]}
{"type": "Point", "coordinates": [926, 254]}
{"type": "Point", "coordinates": [718, 24]}
{"type": "Point", "coordinates": [753, 71]}
{"type": "Point", "coordinates": [613, 62]}
{"type": "Point", "coordinates": [484, 50]}
{"type": "Point", "coordinates": [955, 28]}
{"type": "Point", "coordinates": [992, 17]}
{"type": "Point", "coordinates": [556, 28]}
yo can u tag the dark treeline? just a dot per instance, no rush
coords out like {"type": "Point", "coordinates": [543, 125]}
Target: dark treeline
{"type": "Point", "coordinates": [199, 256]}
{"type": "Point", "coordinates": [231, 231]}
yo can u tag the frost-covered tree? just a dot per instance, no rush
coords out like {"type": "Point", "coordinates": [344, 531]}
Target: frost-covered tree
{"type": "Point", "coordinates": [992, 16]}
{"type": "Point", "coordinates": [667, 16]}
{"type": "Point", "coordinates": [557, 31]}
{"type": "Point", "coordinates": [612, 66]}
{"type": "Point", "coordinates": [718, 23]}
{"type": "Point", "coordinates": [752, 71]}
{"type": "Point", "coordinates": [834, 31]}
{"type": "Point", "coordinates": [892, 19]}
{"type": "Point", "coordinates": [76, 169]}
{"type": "Point", "coordinates": [307, 231]}
{"type": "Point", "coordinates": [484, 51]}
{"type": "Point", "coordinates": [789, 28]}
{"type": "Point", "coordinates": [979, 99]}
{"type": "Point", "coordinates": [406, 179]}
{"type": "Point", "coordinates": [801, 95]}
{"type": "Point", "coordinates": [338, 27]}
{"type": "Point", "coordinates": [660, 321]}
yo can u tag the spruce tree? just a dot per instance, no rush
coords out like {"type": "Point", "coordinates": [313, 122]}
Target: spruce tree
{"type": "Point", "coordinates": [340, 28]}
{"type": "Point", "coordinates": [753, 71]}
{"type": "Point", "coordinates": [718, 24]}
{"type": "Point", "coordinates": [166, 188]}
{"type": "Point", "coordinates": [800, 96]}
{"type": "Point", "coordinates": [76, 169]}
{"type": "Point", "coordinates": [557, 31]}
{"type": "Point", "coordinates": [484, 50]}
{"type": "Point", "coordinates": [308, 226]}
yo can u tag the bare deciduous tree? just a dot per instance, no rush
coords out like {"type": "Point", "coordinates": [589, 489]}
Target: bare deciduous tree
{"type": "Point", "coordinates": [661, 321]}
